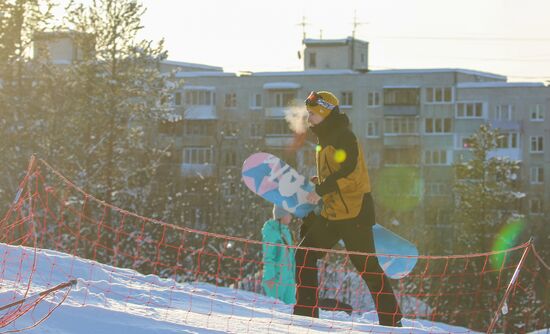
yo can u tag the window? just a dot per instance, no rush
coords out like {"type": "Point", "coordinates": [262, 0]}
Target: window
{"type": "Point", "coordinates": [401, 96]}
{"type": "Point", "coordinates": [462, 172]}
{"type": "Point", "coordinates": [437, 125]}
{"type": "Point", "coordinates": [198, 217]}
{"type": "Point", "coordinates": [173, 157]}
{"type": "Point", "coordinates": [373, 99]}
{"type": "Point", "coordinates": [436, 157]}
{"type": "Point", "coordinates": [537, 144]}
{"type": "Point", "coordinates": [230, 100]}
{"type": "Point", "coordinates": [256, 101]}
{"type": "Point", "coordinates": [439, 95]}
{"type": "Point", "coordinates": [503, 112]}
{"type": "Point", "coordinates": [230, 158]}
{"type": "Point", "coordinates": [255, 130]}
{"type": "Point", "coordinates": [199, 97]}
{"type": "Point", "coordinates": [228, 189]}
{"type": "Point", "coordinates": [537, 113]}
{"type": "Point", "coordinates": [284, 99]}
{"type": "Point", "coordinates": [400, 125]}
{"type": "Point", "coordinates": [469, 110]}
{"type": "Point", "coordinates": [312, 59]}
{"type": "Point", "coordinates": [177, 98]}
{"type": "Point", "coordinates": [372, 130]}
{"type": "Point", "coordinates": [535, 206]}
{"type": "Point", "coordinates": [197, 155]}
{"type": "Point", "coordinates": [277, 127]}
{"type": "Point", "coordinates": [170, 128]}
{"type": "Point", "coordinates": [373, 159]}
{"type": "Point", "coordinates": [198, 128]}
{"type": "Point", "coordinates": [463, 142]}
{"type": "Point", "coordinates": [508, 140]}
{"type": "Point", "coordinates": [537, 175]}
{"type": "Point", "coordinates": [347, 99]}
{"type": "Point", "coordinates": [401, 156]}
{"type": "Point", "coordinates": [436, 189]}
{"type": "Point", "coordinates": [230, 129]}
{"type": "Point", "coordinates": [408, 189]}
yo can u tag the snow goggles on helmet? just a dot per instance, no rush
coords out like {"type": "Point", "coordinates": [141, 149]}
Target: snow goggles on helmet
{"type": "Point", "coordinates": [315, 99]}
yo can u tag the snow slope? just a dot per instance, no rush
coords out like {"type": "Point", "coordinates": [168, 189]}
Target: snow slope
{"type": "Point", "coordinates": [113, 300]}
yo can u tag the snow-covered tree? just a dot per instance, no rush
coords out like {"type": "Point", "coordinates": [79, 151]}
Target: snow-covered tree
{"type": "Point", "coordinates": [486, 199]}
{"type": "Point", "coordinates": [20, 116]}
{"type": "Point", "coordinates": [116, 96]}
{"type": "Point", "coordinates": [118, 93]}
{"type": "Point", "coordinates": [486, 192]}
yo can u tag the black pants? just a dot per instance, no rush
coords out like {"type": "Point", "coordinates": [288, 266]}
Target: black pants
{"type": "Point", "coordinates": [358, 237]}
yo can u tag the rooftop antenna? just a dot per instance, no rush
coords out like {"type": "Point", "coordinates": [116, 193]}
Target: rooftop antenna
{"type": "Point", "coordinates": [303, 24]}
{"type": "Point", "coordinates": [356, 24]}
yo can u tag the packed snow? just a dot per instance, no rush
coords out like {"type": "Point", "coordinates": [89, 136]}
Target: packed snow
{"type": "Point", "coordinates": [113, 300]}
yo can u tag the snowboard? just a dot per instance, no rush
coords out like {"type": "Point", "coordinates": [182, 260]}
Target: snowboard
{"type": "Point", "coordinates": [277, 182]}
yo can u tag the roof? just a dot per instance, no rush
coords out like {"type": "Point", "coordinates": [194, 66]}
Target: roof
{"type": "Point", "coordinates": [192, 65]}
{"type": "Point", "coordinates": [305, 73]}
{"type": "Point", "coordinates": [313, 41]}
{"type": "Point", "coordinates": [281, 85]}
{"type": "Point", "coordinates": [331, 42]}
{"type": "Point", "coordinates": [401, 86]}
{"type": "Point", "coordinates": [439, 70]}
{"type": "Point", "coordinates": [499, 84]}
{"type": "Point", "coordinates": [209, 88]}
{"type": "Point", "coordinates": [204, 74]}
{"type": "Point", "coordinates": [58, 34]}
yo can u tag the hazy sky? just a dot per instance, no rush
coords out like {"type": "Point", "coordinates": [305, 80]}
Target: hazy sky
{"type": "Point", "coordinates": [509, 37]}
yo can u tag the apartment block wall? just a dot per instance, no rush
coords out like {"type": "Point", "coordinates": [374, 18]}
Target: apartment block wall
{"type": "Point", "coordinates": [436, 174]}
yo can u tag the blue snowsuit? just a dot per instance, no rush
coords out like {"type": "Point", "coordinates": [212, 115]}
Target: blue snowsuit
{"type": "Point", "coordinates": [279, 262]}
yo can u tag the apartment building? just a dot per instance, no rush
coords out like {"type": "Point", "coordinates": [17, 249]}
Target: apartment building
{"type": "Point", "coordinates": [414, 120]}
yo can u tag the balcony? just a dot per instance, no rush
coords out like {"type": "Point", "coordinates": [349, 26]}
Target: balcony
{"type": "Point", "coordinates": [507, 125]}
{"type": "Point", "coordinates": [276, 140]}
{"type": "Point", "coordinates": [396, 110]}
{"type": "Point", "coordinates": [200, 112]}
{"type": "Point", "coordinates": [400, 156]}
{"type": "Point", "coordinates": [403, 140]}
{"type": "Point", "coordinates": [401, 100]}
{"type": "Point", "coordinates": [277, 112]}
{"type": "Point", "coordinates": [197, 170]}
{"type": "Point", "coordinates": [510, 153]}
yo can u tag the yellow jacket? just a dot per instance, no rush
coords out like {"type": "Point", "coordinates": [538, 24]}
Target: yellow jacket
{"type": "Point", "coordinates": [341, 168]}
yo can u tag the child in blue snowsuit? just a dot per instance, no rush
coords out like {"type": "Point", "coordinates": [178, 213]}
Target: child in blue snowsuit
{"type": "Point", "coordinates": [278, 277]}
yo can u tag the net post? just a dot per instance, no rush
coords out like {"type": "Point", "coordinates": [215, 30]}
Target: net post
{"type": "Point", "coordinates": [510, 286]}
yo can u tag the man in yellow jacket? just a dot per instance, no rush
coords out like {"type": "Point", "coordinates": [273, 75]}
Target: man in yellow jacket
{"type": "Point", "coordinates": [343, 184]}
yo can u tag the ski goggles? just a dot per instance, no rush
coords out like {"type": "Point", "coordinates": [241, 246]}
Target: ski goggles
{"type": "Point", "coordinates": [315, 99]}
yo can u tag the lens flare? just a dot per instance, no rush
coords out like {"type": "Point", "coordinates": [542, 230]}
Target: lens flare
{"type": "Point", "coordinates": [340, 156]}
{"type": "Point", "coordinates": [507, 238]}
{"type": "Point", "coordinates": [399, 188]}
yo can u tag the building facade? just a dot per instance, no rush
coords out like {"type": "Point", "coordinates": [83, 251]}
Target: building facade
{"type": "Point", "coordinates": [412, 124]}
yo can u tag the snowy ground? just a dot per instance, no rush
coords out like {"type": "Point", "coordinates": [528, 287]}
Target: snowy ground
{"type": "Point", "coordinates": [113, 300]}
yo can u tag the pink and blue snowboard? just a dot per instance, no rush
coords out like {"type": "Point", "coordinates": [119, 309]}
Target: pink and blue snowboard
{"type": "Point", "coordinates": [279, 183]}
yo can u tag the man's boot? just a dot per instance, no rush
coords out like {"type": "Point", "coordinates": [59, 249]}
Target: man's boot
{"type": "Point", "coordinates": [306, 308]}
